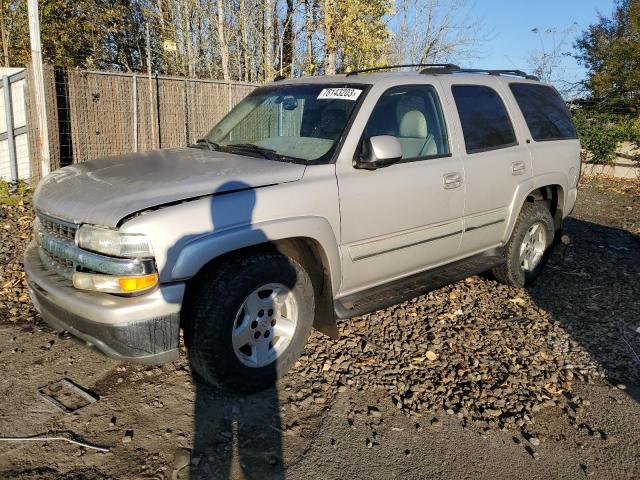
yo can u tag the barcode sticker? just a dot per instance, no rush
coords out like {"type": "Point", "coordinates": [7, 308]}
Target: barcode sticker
{"type": "Point", "coordinates": [340, 94]}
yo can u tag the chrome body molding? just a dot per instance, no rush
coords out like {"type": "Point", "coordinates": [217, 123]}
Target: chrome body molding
{"type": "Point", "coordinates": [404, 240]}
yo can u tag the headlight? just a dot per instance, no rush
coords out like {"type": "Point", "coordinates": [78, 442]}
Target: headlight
{"type": "Point", "coordinates": [113, 242]}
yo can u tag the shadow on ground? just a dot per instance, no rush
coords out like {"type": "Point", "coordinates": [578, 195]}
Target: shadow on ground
{"type": "Point", "coordinates": [592, 287]}
{"type": "Point", "coordinates": [234, 435]}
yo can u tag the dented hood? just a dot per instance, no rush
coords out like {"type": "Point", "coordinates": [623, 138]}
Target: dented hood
{"type": "Point", "coordinates": [103, 192]}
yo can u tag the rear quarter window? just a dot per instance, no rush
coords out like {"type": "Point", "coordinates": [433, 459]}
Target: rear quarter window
{"type": "Point", "coordinates": [485, 122]}
{"type": "Point", "coordinates": [544, 111]}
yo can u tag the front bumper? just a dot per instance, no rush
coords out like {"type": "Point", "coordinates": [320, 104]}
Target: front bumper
{"type": "Point", "coordinates": [143, 329]}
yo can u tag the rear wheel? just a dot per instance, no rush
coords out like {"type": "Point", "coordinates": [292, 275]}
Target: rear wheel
{"type": "Point", "coordinates": [527, 250]}
{"type": "Point", "coordinates": [249, 321]}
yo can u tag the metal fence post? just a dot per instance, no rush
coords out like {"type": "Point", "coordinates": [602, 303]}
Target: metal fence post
{"type": "Point", "coordinates": [186, 112]}
{"type": "Point", "coordinates": [8, 112]}
{"type": "Point", "coordinates": [158, 112]}
{"type": "Point", "coordinates": [134, 87]}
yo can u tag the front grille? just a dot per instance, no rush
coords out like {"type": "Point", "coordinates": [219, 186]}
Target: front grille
{"type": "Point", "coordinates": [62, 231]}
{"type": "Point", "coordinates": [58, 228]}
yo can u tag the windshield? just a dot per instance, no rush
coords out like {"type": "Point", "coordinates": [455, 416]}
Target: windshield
{"type": "Point", "coordinates": [287, 122]}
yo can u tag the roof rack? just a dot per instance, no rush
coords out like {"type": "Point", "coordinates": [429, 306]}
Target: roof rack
{"type": "Point", "coordinates": [435, 66]}
{"type": "Point", "coordinates": [513, 73]}
{"type": "Point", "coordinates": [454, 69]}
{"type": "Point", "coordinates": [445, 68]}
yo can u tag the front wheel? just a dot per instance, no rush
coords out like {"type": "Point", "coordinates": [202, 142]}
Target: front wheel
{"type": "Point", "coordinates": [249, 321]}
{"type": "Point", "coordinates": [527, 251]}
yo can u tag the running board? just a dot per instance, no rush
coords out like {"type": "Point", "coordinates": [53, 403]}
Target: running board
{"type": "Point", "coordinates": [401, 290]}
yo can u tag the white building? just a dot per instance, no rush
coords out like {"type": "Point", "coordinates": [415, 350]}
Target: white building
{"type": "Point", "coordinates": [16, 114]}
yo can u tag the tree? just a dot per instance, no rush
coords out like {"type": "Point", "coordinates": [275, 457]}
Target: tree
{"type": "Point", "coordinates": [224, 48]}
{"type": "Point", "coordinates": [610, 50]}
{"type": "Point", "coordinates": [434, 31]}
{"type": "Point", "coordinates": [86, 33]}
{"type": "Point", "coordinates": [239, 39]}
{"type": "Point", "coordinates": [329, 37]}
{"type": "Point", "coordinates": [546, 62]}
{"type": "Point", "coordinates": [310, 21]}
{"type": "Point", "coordinates": [361, 33]}
{"type": "Point", "coordinates": [288, 40]}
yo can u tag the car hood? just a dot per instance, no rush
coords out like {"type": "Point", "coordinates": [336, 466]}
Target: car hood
{"type": "Point", "coordinates": [103, 192]}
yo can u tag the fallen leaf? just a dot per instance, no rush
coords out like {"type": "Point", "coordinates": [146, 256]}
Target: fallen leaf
{"type": "Point", "coordinates": [431, 356]}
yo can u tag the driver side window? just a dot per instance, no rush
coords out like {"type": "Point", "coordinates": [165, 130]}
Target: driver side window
{"type": "Point", "coordinates": [413, 115]}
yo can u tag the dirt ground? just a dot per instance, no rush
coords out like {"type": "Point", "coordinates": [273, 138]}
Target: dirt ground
{"type": "Point", "coordinates": [556, 393]}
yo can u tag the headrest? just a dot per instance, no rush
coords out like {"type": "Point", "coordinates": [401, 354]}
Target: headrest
{"type": "Point", "coordinates": [413, 125]}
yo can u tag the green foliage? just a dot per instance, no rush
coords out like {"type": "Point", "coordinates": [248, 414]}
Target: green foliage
{"type": "Point", "coordinates": [610, 49]}
{"type": "Point", "coordinates": [600, 133]}
{"type": "Point", "coordinates": [13, 194]}
{"type": "Point", "coordinates": [362, 33]}
{"type": "Point", "coordinates": [82, 33]}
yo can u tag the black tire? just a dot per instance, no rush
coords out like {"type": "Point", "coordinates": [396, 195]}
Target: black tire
{"type": "Point", "coordinates": [212, 308]}
{"type": "Point", "coordinates": [511, 272]}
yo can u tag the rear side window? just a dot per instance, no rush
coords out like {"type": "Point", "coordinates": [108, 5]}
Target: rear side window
{"type": "Point", "coordinates": [485, 122]}
{"type": "Point", "coordinates": [544, 111]}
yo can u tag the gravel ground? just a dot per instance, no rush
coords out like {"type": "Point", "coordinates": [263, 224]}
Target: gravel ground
{"type": "Point", "coordinates": [475, 380]}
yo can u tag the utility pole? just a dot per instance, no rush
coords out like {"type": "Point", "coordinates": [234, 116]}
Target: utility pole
{"type": "Point", "coordinates": [38, 86]}
{"type": "Point", "coordinates": [152, 119]}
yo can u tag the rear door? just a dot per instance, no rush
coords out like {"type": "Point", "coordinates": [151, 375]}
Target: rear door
{"type": "Point", "coordinates": [496, 159]}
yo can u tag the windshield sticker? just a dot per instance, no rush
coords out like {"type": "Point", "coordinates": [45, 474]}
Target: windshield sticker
{"type": "Point", "coordinates": [351, 94]}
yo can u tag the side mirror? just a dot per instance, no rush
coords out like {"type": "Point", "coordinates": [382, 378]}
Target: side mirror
{"type": "Point", "coordinates": [377, 152]}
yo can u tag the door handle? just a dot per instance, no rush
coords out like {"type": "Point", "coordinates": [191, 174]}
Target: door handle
{"type": "Point", "coordinates": [451, 180]}
{"type": "Point", "coordinates": [518, 168]}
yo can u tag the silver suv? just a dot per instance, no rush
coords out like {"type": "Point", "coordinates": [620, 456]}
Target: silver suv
{"type": "Point", "coordinates": [314, 199]}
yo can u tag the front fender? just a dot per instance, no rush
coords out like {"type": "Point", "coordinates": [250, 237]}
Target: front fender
{"type": "Point", "coordinates": [201, 250]}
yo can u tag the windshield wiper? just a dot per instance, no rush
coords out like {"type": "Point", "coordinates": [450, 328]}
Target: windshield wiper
{"type": "Point", "coordinates": [267, 153]}
{"type": "Point", "coordinates": [204, 142]}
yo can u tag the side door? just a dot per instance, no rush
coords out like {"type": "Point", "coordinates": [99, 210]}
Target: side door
{"type": "Point", "coordinates": [406, 217]}
{"type": "Point", "coordinates": [496, 160]}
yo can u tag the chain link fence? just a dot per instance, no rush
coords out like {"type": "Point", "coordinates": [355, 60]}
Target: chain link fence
{"type": "Point", "coordinates": [92, 114]}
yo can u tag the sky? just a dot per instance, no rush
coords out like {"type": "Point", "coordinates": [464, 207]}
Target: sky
{"type": "Point", "coordinates": [511, 21]}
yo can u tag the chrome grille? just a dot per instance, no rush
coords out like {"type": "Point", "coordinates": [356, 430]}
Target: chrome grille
{"type": "Point", "coordinates": [57, 228]}
{"type": "Point", "coordinates": [62, 231]}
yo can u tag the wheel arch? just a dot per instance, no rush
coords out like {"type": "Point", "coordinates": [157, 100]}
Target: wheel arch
{"type": "Point", "coordinates": [317, 254]}
{"type": "Point", "coordinates": [551, 191]}
{"type": "Point", "coordinates": [553, 196]}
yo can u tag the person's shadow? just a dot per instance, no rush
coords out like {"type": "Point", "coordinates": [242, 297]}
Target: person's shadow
{"type": "Point", "coordinates": [234, 435]}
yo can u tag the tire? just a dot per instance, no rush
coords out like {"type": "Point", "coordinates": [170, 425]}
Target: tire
{"type": "Point", "coordinates": [222, 304]}
{"type": "Point", "coordinates": [512, 272]}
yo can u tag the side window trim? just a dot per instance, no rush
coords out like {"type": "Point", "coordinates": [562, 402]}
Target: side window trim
{"type": "Point", "coordinates": [443, 114]}
{"type": "Point", "coordinates": [515, 143]}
